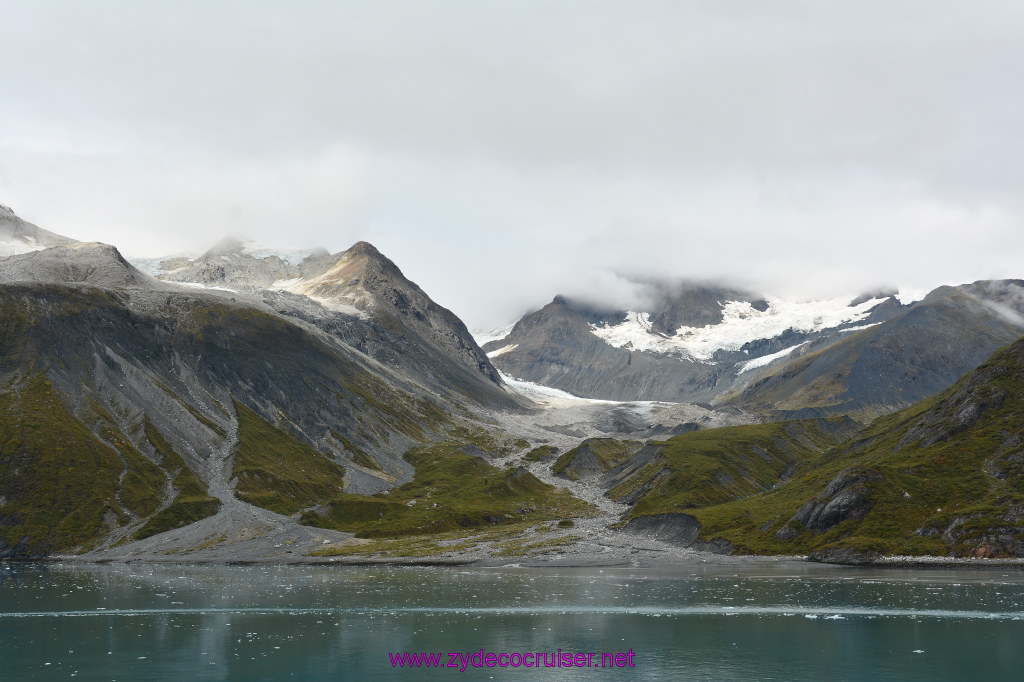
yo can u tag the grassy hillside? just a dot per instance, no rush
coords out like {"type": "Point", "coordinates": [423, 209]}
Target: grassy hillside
{"type": "Point", "coordinates": [64, 485]}
{"type": "Point", "coordinates": [943, 477]}
{"type": "Point", "coordinates": [453, 488]}
{"type": "Point", "coordinates": [717, 465]}
{"type": "Point", "coordinates": [594, 455]}
{"type": "Point", "coordinates": [279, 472]}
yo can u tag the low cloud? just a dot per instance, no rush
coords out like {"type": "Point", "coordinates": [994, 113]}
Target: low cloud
{"type": "Point", "coordinates": [504, 152]}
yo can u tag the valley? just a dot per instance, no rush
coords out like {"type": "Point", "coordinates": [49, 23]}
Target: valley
{"type": "Point", "coordinates": [250, 405]}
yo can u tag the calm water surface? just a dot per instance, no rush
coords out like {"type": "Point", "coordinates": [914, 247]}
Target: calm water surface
{"type": "Point", "coordinates": [337, 623]}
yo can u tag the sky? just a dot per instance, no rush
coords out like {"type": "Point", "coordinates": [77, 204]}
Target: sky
{"type": "Point", "coordinates": [504, 152]}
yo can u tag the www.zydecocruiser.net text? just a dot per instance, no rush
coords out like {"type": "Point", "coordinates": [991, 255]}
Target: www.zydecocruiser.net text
{"type": "Point", "coordinates": [462, 661]}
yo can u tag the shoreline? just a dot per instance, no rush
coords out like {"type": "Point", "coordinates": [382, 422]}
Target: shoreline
{"type": "Point", "coordinates": [690, 559]}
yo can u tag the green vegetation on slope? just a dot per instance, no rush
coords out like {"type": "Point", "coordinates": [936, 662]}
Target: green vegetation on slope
{"type": "Point", "coordinates": [943, 477]}
{"type": "Point", "coordinates": [64, 486]}
{"type": "Point", "coordinates": [594, 455]}
{"type": "Point", "coordinates": [58, 481]}
{"type": "Point", "coordinates": [451, 489]}
{"type": "Point", "coordinates": [718, 465]}
{"type": "Point", "coordinates": [279, 472]}
{"type": "Point", "coordinates": [541, 453]}
{"type": "Point", "coordinates": [191, 503]}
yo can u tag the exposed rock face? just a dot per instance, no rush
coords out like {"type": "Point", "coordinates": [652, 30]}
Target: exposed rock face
{"type": "Point", "coordinates": [160, 400]}
{"type": "Point", "coordinates": [845, 556]}
{"type": "Point", "coordinates": [365, 279]}
{"type": "Point", "coordinates": [228, 264]}
{"type": "Point", "coordinates": [99, 265]}
{"type": "Point", "coordinates": [907, 358]}
{"type": "Point", "coordinates": [967, 406]}
{"type": "Point", "coordinates": [882, 359]}
{"type": "Point", "coordinates": [593, 457]}
{"type": "Point", "coordinates": [843, 499]}
{"type": "Point", "coordinates": [648, 457]}
{"type": "Point", "coordinates": [556, 347]}
{"type": "Point", "coordinates": [696, 306]}
{"type": "Point", "coordinates": [362, 298]}
{"type": "Point", "coordinates": [677, 529]}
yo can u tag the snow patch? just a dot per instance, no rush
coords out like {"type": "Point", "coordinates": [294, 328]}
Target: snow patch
{"type": "Point", "coordinates": [859, 327]}
{"type": "Point", "coordinates": [261, 251]}
{"type": "Point", "coordinates": [546, 394]}
{"type": "Point", "coordinates": [908, 296]}
{"type": "Point", "coordinates": [198, 285]}
{"type": "Point", "coordinates": [505, 349]}
{"type": "Point", "coordinates": [553, 397]}
{"type": "Point", "coordinates": [16, 248]}
{"type": "Point", "coordinates": [338, 307]}
{"type": "Point", "coordinates": [496, 334]}
{"type": "Point", "coordinates": [285, 284]}
{"type": "Point", "coordinates": [768, 359]}
{"type": "Point", "coordinates": [741, 323]}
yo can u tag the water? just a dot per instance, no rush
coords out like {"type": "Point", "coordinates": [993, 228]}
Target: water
{"type": "Point", "coordinates": [333, 623]}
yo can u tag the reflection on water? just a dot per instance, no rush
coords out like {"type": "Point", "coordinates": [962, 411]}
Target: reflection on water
{"type": "Point", "coordinates": [329, 623]}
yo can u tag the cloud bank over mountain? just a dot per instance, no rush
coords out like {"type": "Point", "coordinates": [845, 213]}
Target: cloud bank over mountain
{"type": "Point", "coordinates": [544, 147]}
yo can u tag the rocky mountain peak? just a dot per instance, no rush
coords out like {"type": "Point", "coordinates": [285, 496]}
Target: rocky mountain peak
{"type": "Point", "coordinates": [362, 248]}
{"type": "Point", "coordinates": [368, 280]}
{"type": "Point", "coordinates": [363, 276]}
{"type": "Point", "coordinates": [93, 263]}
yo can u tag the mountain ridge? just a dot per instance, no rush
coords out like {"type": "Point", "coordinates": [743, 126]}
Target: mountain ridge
{"type": "Point", "coordinates": [777, 362]}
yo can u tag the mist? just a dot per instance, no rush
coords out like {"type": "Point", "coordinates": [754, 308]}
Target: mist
{"type": "Point", "coordinates": [505, 152]}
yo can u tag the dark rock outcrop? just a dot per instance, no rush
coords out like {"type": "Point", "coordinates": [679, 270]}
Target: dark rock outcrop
{"type": "Point", "coordinates": [843, 499]}
{"type": "Point", "coordinates": [676, 529]}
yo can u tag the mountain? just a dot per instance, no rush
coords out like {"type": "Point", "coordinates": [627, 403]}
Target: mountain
{"type": "Point", "coordinates": [18, 236]}
{"type": "Point", "coordinates": [914, 354]}
{"type": "Point", "coordinates": [398, 322]}
{"type": "Point", "coordinates": [126, 393]}
{"type": "Point", "coordinates": [235, 262]}
{"type": "Point", "coordinates": [942, 477]}
{"type": "Point", "coordinates": [360, 296]}
{"type": "Point", "coordinates": [770, 357]}
{"type": "Point", "coordinates": [91, 263]}
{"type": "Point", "coordinates": [132, 405]}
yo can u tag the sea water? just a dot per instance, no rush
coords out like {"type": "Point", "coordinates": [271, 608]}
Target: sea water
{"type": "Point", "coordinates": [179, 622]}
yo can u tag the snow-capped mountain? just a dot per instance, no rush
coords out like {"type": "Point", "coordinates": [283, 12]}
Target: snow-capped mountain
{"type": "Point", "coordinates": [882, 350]}
{"type": "Point", "coordinates": [741, 324]}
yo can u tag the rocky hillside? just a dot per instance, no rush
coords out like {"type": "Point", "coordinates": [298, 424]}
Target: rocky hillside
{"type": "Point", "coordinates": [907, 358]}
{"type": "Point", "coordinates": [131, 405]}
{"type": "Point", "coordinates": [943, 477]}
{"type": "Point", "coordinates": [361, 297]}
{"type": "Point", "coordinates": [399, 324]}
{"type": "Point", "coordinates": [774, 358]}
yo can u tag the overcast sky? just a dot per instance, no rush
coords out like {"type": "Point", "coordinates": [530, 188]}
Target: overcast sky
{"type": "Point", "coordinates": [503, 152]}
